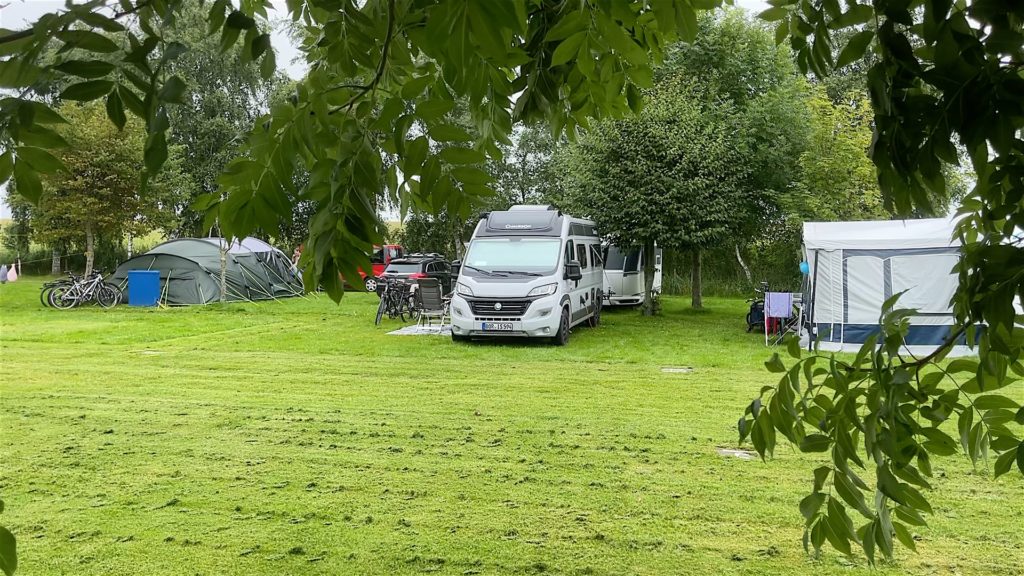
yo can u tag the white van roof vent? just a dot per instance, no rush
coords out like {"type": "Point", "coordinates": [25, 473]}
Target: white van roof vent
{"type": "Point", "coordinates": [532, 207]}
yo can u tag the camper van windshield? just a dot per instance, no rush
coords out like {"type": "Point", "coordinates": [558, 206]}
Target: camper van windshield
{"type": "Point", "coordinates": [625, 261]}
{"type": "Point", "coordinates": [525, 255]}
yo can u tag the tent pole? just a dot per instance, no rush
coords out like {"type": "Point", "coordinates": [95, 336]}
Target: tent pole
{"type": "Point", "coordinates": [813, 332]}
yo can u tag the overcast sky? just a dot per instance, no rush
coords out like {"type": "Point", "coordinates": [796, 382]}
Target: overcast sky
{"type": "Point", "coordinates": [18, 14]}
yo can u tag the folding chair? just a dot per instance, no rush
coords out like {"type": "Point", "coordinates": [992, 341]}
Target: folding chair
{"type": "Point", "coordinates": [431, 303]}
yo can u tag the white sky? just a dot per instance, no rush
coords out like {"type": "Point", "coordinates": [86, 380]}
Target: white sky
{"type": "Point", "coordinates": [18, 14]}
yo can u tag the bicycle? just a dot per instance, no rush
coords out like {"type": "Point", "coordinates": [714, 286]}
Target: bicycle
{"type": "Point", "coordinates": [82, 290]}
{"type": "Point", "coordinates": [44, 291]}
{"type": "Point", "coordinates": [396, 300]}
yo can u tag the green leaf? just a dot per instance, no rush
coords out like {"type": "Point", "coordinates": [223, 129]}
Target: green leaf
{"type": "Point", "coordinates": [132, 102]}
{"type": "Point", "coordinates": [173, 90]}
{"type": "Point", "coordinates": [42, 137]}
{"type": "Point", "coordinates": [810, 505]}
{"type": "Point", "coordinates": [115, 110]}
{"type": "Point", "coordinates": [40, 160]}
{"type": "Point", "coordinates": [855, 48]}
{"type": "Point", "coordinates": [773, 14]}
{"type": "Point", "coordinates": [994, 401]}
{"type": "Point", "coordinates": [574, 22]}
{"type": "Point", "coordinates": [903, 535]}
{"type": "Point", "coordinates": [568, 49]}
{"type": "Point", "coordinates": [86, 91]}
{"type": "Point", "coordinates": [462, 156]}
{"type": "Point", "coordinates": [851, 494]}
{"type": "Point", "coordinates": [27, 181]}
{"type": "Point", "coordinates": [8, 552]}
{"type": "Point", "coordinates": [793, 346]}
{"type": "Point", "coordinates": [470, 175]}
{"type": "Point", "coordinates": [155, 153]}
{"type": "Point", "coordinates": [86, 40]}
{"type": "Point", "coordinates": [449, 133]}
{"type": "Point", "coordinates": [815, 443]}
{"type": "Point", "coordinates": [268, 65]}
{"type": "Point", "coordinates": [6, 166]}
{"type": "Point", "coordinates": [1005, 462]}
{"type": "Point", "coordinates": [86, 68]}
{"type": "Point", "coordinates": [1020, 457]}
{"type": "Point", "coordinates": [858, 14]}
{"type": "Point", "coordinates": [412, 88]}
{"type": "Point", "coordinates": [774, 364]}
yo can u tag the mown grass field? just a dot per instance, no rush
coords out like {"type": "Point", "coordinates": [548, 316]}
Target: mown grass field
{"type": "Point", "coordinates": [296, 437]}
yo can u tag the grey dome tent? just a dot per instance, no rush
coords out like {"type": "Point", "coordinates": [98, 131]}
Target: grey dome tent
{"type": "Point", "coordinates": [190, 271]}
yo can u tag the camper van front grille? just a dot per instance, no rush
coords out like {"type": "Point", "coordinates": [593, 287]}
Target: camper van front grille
{"type": "Point", "coordinates": [502, 308]}
{"type": "Point", "coordinates": [496, 319]}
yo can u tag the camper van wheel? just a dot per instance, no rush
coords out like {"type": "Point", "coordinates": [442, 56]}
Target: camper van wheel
{"type": "Point", "coordinates": [459, 337]}
{"type": "Point", "coordinates": [562, 337]}
{"type": "Point", "coordinates": [595, 320]}
{"type": "Point", "coordinates": [371, 284]}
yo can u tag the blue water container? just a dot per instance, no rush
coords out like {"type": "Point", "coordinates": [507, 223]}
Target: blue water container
{"type": "Point", "coordinates": [143, 287]}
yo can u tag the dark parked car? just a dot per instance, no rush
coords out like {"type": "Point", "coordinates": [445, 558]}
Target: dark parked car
{"type": "Point", "coordinates": [413, 266]}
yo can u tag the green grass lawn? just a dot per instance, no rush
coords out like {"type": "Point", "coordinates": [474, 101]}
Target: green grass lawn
{"type": "Point", "coordinates": [296, 437]}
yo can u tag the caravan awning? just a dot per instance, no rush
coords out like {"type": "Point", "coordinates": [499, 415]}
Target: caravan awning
{"type": "Point", "coordinates": [880, 234]}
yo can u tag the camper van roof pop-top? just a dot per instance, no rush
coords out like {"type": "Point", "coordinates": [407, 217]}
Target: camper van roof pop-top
{"type": "Point", "coordinates": [528, 271]}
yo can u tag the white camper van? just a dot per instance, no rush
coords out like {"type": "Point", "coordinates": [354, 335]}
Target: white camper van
{"type": "Point", "coordinates": [529, 271]}
{"type": "Point", "coordinates": [624, 277]}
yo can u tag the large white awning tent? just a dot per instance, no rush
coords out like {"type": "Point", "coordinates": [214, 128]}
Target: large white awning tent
{"type": "Point", "coordinates": [856, 266]}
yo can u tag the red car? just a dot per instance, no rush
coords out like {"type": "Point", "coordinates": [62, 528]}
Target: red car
{"type": "Point", "coordinates": [382, 256]}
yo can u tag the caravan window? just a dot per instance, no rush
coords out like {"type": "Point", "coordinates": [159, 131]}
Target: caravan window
{"type": "Point", "coordinates": [581, 255]}
{"type": "Point", "coordinates": [626, 261]}
{"type": "Point", "coordinates": [595, 255]}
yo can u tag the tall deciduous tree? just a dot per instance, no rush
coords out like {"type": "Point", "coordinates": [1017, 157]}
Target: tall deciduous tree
{"type": "Point", "coordinates": [98, 190]}
{"type": "Point", "coordinates": [225, 94]}
{"type": "Point", "coordinates": [672, 175]}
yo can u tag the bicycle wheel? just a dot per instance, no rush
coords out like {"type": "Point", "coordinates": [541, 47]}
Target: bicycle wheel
{"type": "Point", "coordinates": [44, 294]}
{"type": "Point", "coordinates": [108, 296]}
{"type": "Point", "coordinates": [411, 310]}
{"type": "Point", "coordinates": [63, 297]}
{"type": "Point", "coordinates": [380, 307]}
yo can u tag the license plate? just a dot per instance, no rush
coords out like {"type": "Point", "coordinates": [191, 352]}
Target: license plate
{"type": "Point", "coordinates": [497, 326]}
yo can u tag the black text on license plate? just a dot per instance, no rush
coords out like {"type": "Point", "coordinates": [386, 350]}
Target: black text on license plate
{"type": "Point", "coordinates": [498, 326]}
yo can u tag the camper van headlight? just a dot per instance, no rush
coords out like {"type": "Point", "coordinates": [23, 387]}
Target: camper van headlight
{"type": "Point", "coordinates": [463, 289]}
{"type": "Point", "coordinates": [545, 290]}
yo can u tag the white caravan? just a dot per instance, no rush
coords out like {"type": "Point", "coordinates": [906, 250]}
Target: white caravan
{"type": "Point", "coordinates": [529, 271]}
{"type": "Point", "coordinates": [624, 275]}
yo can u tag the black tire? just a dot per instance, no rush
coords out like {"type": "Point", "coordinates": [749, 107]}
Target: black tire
{"type": "Point", "coordinates": [57, 300]}
{"type": "Point", "coordinates": [595, 320]}
{"type": "Point", "coordinates": [108, 296]}
{"type": "Point", "coordinates": [459, 338]}
{"type": "Point", "coordinates": [411, 310]}
{"type": "Point", "coordinates": [380, 311]}
{"type": "Point", "coordinates": [562, 337]}
{"type": "Point", "coordinates": [370, 283]}
{"type": "Point", "coordinates": [44, 295]}
{"type": "Point", "coordinates": [749, 325]}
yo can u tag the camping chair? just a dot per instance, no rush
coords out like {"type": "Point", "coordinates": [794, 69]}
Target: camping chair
{"type": "Point", "coordinates": [432, 305]}
{"type": "Point", "coordinates": [782, 315]}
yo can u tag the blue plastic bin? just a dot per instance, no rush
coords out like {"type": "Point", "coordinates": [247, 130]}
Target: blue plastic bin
{"type": "Point", "coordinates": [143, 287]}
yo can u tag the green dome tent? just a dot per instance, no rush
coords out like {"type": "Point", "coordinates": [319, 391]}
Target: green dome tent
{"type": "Point", "coordinates": [190, 271]}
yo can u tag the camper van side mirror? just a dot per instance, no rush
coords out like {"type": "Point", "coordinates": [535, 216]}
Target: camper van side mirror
{"type": "Point", "coordinates": [573, 271]}
{"type": "Point", "coordinates": [456, 267]}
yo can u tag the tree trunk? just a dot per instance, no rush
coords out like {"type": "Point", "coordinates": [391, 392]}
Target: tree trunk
{"type": "Point", "coordinates": [131, 243]}
{"type": "Point", "coordinates": [648, 253]}
{"type": "Point", "coordinates": [55, 262]}
{"type": "Point", "coordinates": [746, 269]}
{"type": "Point", "coordinates": [90, 241]}
{"type": "Point", "coordinates": [223, 270]}
{"type": "Point", "coordinates": [695, 290]}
